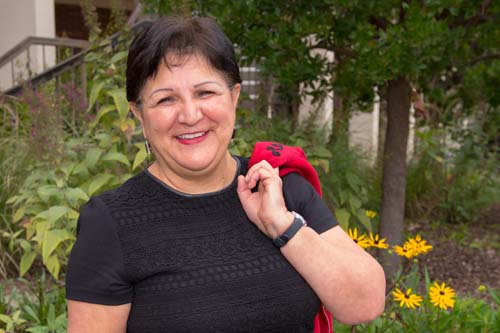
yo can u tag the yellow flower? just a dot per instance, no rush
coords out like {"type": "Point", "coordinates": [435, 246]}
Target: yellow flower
{"type": "Point", "coordinates": [404, 251]}
{"type": "Point", "coordinates": [407, 299]}
{"type": "Point", "coordinates": [361, 240]}
{"type": "Point", "coordinates": [442, 296]}
{"type": "Point", "coordinates": [482, 288]}
{"type": "Point", "coordinates": [374, 241]}
{"type": "Point", "coordinates": [419, 245]}
{"type": "Point", "coordinates": [371, 214]}
{"type": "Point", "coordinates": [413, 247]}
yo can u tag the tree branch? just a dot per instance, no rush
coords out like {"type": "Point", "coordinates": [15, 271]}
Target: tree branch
{"type": "Point", "coordinates": [484, 6]}
{"type": "Point", "coordinates": [402, 13]}
{"type": "Point", "coordinates": [485, 57]}
{"type": "Point", "coordinates": [475, 20]}
{"type": "Point", "coordinates": [341, 52]}
{"type": "Point", "coordinates": [378, 22]}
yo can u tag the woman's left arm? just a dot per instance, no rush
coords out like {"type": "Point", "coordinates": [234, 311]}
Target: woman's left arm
{"type": "Point", "coordinates": [349, 282]}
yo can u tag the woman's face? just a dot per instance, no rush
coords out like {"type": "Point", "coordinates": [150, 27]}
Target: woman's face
{"type": "Point", "coordinates": [188, 115]}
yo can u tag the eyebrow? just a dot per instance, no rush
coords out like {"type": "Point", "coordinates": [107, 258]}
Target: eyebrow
{"type": "Point", "coordinates": [161, 89]}
{"type": "Point", "coordinates": [206, 82]}
{"type": "Point", "coordinates": [196, 86]}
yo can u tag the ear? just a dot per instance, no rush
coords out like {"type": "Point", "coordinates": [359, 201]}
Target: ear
{"type": "Point", "coordinates": [235, 94]}
{"type": "Point", "coordinates": [138, 114]}
{"type": "Point", "coordinates": [136, 111]}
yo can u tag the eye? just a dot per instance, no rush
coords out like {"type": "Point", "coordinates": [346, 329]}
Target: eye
{"type": "Point", "coordinates": [166, 100]}
{"type": "Point", "coordinates": [205, 93]}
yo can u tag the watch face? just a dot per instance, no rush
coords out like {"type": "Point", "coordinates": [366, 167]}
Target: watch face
{"type": "Point", "coordinates": [298, 216]}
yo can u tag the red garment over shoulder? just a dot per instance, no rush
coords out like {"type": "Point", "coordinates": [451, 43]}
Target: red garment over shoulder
{"type": "Point", "coordinates": [293, 159]}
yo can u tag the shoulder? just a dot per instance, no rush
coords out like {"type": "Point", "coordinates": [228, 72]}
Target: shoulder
{"type": "Point", "coordinates": [297, 189]}
{"type": "Point", "coordinates": [98, 211]}
{"type": "Point", "coordinates": [135, 185]}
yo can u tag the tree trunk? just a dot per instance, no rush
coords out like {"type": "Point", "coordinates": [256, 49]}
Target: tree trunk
{"type": "Point", "coordinates": [394, 170]}
{"type": "Point", "coordinates": [340, 124]}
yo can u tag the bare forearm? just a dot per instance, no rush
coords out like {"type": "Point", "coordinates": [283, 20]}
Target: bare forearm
{"type": "Point", "coordinates": [349, 282]}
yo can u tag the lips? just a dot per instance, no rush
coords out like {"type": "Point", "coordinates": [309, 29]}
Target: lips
{"type": "Point", "coordinates": [191, 136]}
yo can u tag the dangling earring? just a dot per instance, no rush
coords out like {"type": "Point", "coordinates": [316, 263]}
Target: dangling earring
{"type": "Point", "coordinates": [234, 134]}
{"type": "Point", "coordinates": [148, 147]}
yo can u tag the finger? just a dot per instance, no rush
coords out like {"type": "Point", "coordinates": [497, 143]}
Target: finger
{"type": "Point", "coordinates": [243, 189]}
{"type": "Point", "coordinates": [260, 175]}
{"type": "Point", "coordinates": [260, 165]}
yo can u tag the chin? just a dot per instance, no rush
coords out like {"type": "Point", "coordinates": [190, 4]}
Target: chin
{"type": "Point", "coordinates": [198, 164]}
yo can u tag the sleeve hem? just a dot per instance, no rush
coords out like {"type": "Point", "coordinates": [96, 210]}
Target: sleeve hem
{"type": "Point", "coordinates": [96, 298]}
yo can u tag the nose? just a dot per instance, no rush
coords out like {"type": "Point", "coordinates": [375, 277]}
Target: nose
{"type": "Point", "coordinates": [190, 113]}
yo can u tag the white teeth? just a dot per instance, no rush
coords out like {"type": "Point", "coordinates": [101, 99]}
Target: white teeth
{"type": "Point", "coordinates": [191, 136]}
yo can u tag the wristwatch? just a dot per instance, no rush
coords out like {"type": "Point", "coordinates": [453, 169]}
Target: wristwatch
{"type": "Point", "coordinates": [298, 222]}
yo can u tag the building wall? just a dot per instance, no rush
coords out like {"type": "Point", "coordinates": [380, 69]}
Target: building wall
{"type": "Point", "coordinates": [18, 20]}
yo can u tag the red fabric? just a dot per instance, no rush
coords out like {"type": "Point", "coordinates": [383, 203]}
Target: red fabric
{"type": "Point", "coordinates": [288, 159]}
{"type": "Point", "coordinates": [293, 159]}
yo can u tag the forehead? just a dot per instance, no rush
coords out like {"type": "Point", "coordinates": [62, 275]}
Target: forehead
{"type": "Point", "coordinates": [182, 67]}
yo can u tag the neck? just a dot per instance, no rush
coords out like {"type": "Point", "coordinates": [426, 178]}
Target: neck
{"type": "Point", "coordinates": [198, 182]}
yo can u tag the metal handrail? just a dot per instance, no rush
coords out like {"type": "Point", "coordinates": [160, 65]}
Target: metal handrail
{"type": "Point", "coordinates": [71, 62]}
{"type": "Point", "coordinates": [44, 41]}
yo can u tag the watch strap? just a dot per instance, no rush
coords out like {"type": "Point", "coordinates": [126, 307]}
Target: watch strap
{"type": "Point", "coordinates": [298, 222]}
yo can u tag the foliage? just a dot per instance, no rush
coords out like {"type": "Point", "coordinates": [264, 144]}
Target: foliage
{"type": "Point", "coordinates": [349, 182]}
{"type": "Point", "coordinates": [102, 147]}
{"type": "Point", "coordinates": [444, 49]}
{"type": "Point", "coordinates": [343, 170]}
{"type": "Point", "coordinates": [37, 308]}
{"type": "Point", "coordinates": [416, 305]}
{"type": "Point", "coordinates": [453, 184]}
{"type": "Point", "coordinates": [99, 155]}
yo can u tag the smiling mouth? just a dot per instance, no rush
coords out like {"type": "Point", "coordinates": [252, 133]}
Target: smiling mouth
{"type": "Point", "coordinates": [191, 136]}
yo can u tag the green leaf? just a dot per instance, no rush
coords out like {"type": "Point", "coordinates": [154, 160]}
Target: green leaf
{"type": "Point", "coordinates": [51, 241]}
{"type": "Point", "coordinates": [115, 156]}
{"type": "Point", "coordinates": [29, 310]}
{"type": "Point", "coordinates": [119, 56]}
{"type": "Point", "coordinates": [343, 218]}
{"type": "Point", "coordinates": [365, 221]}
{"type": "Point", "coordinates": [94, 94]}
{"type": "Point", "coordinates": [92, 157]}
{"type": "Point", "coordinates": [352, 180]}
{"type": "Point", "coordinates": [6, 319]}
{"type": "Point", "coordinates": [53, 214]}
{"type": "Point", "coordinates": [45, 192]}
{"type": "Point", "coordinates": [11, 200]}
{"type": "Point", "coordinates": [140, 157]}
{"type": "Point", "coordinates": [26, 262]}
{"type": "Point", "coordinates": [53, 265]}
{"type": "Point", "coordinates": [322, 152]}
{"type": "Point", "coordinates": [25, 245]}
{"type": "Point", "coordinates": [51, 317]}
{"type": "Point", "coordinates": [121, 102]}
{"type": "Point", "coordinates": [98, 182]}
{"type": "Point", "coordinates": [81, 168]}
{"type": "Point", "coordinates": [354, 202]}
{"type": "Point", "coordinates": [38, 329]}
{"type": "Point", "coordinates": [102, 112]}
{"type": "Point", "coordinates": [18, 215]}
{"type": "Point", "coordinates": [76, 194]}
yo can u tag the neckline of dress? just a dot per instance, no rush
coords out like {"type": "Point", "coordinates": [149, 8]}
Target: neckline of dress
{"type": "Point", "coordinates": [198, 195]}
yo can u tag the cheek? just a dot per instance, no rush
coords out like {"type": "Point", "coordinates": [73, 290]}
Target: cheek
{"type": "Point", "coordinates": [160, 120]}
{"type": "Point", "coordinates": [221, 112]}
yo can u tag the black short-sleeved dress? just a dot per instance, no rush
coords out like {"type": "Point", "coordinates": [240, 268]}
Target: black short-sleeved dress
{"type": "Point", "coordinates": [192, 263]}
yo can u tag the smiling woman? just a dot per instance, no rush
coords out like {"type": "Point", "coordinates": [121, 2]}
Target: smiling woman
{"type": "Point", "coordinates": [201, 241]}
{"type": "Point", "coordinates": [188, 116]}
